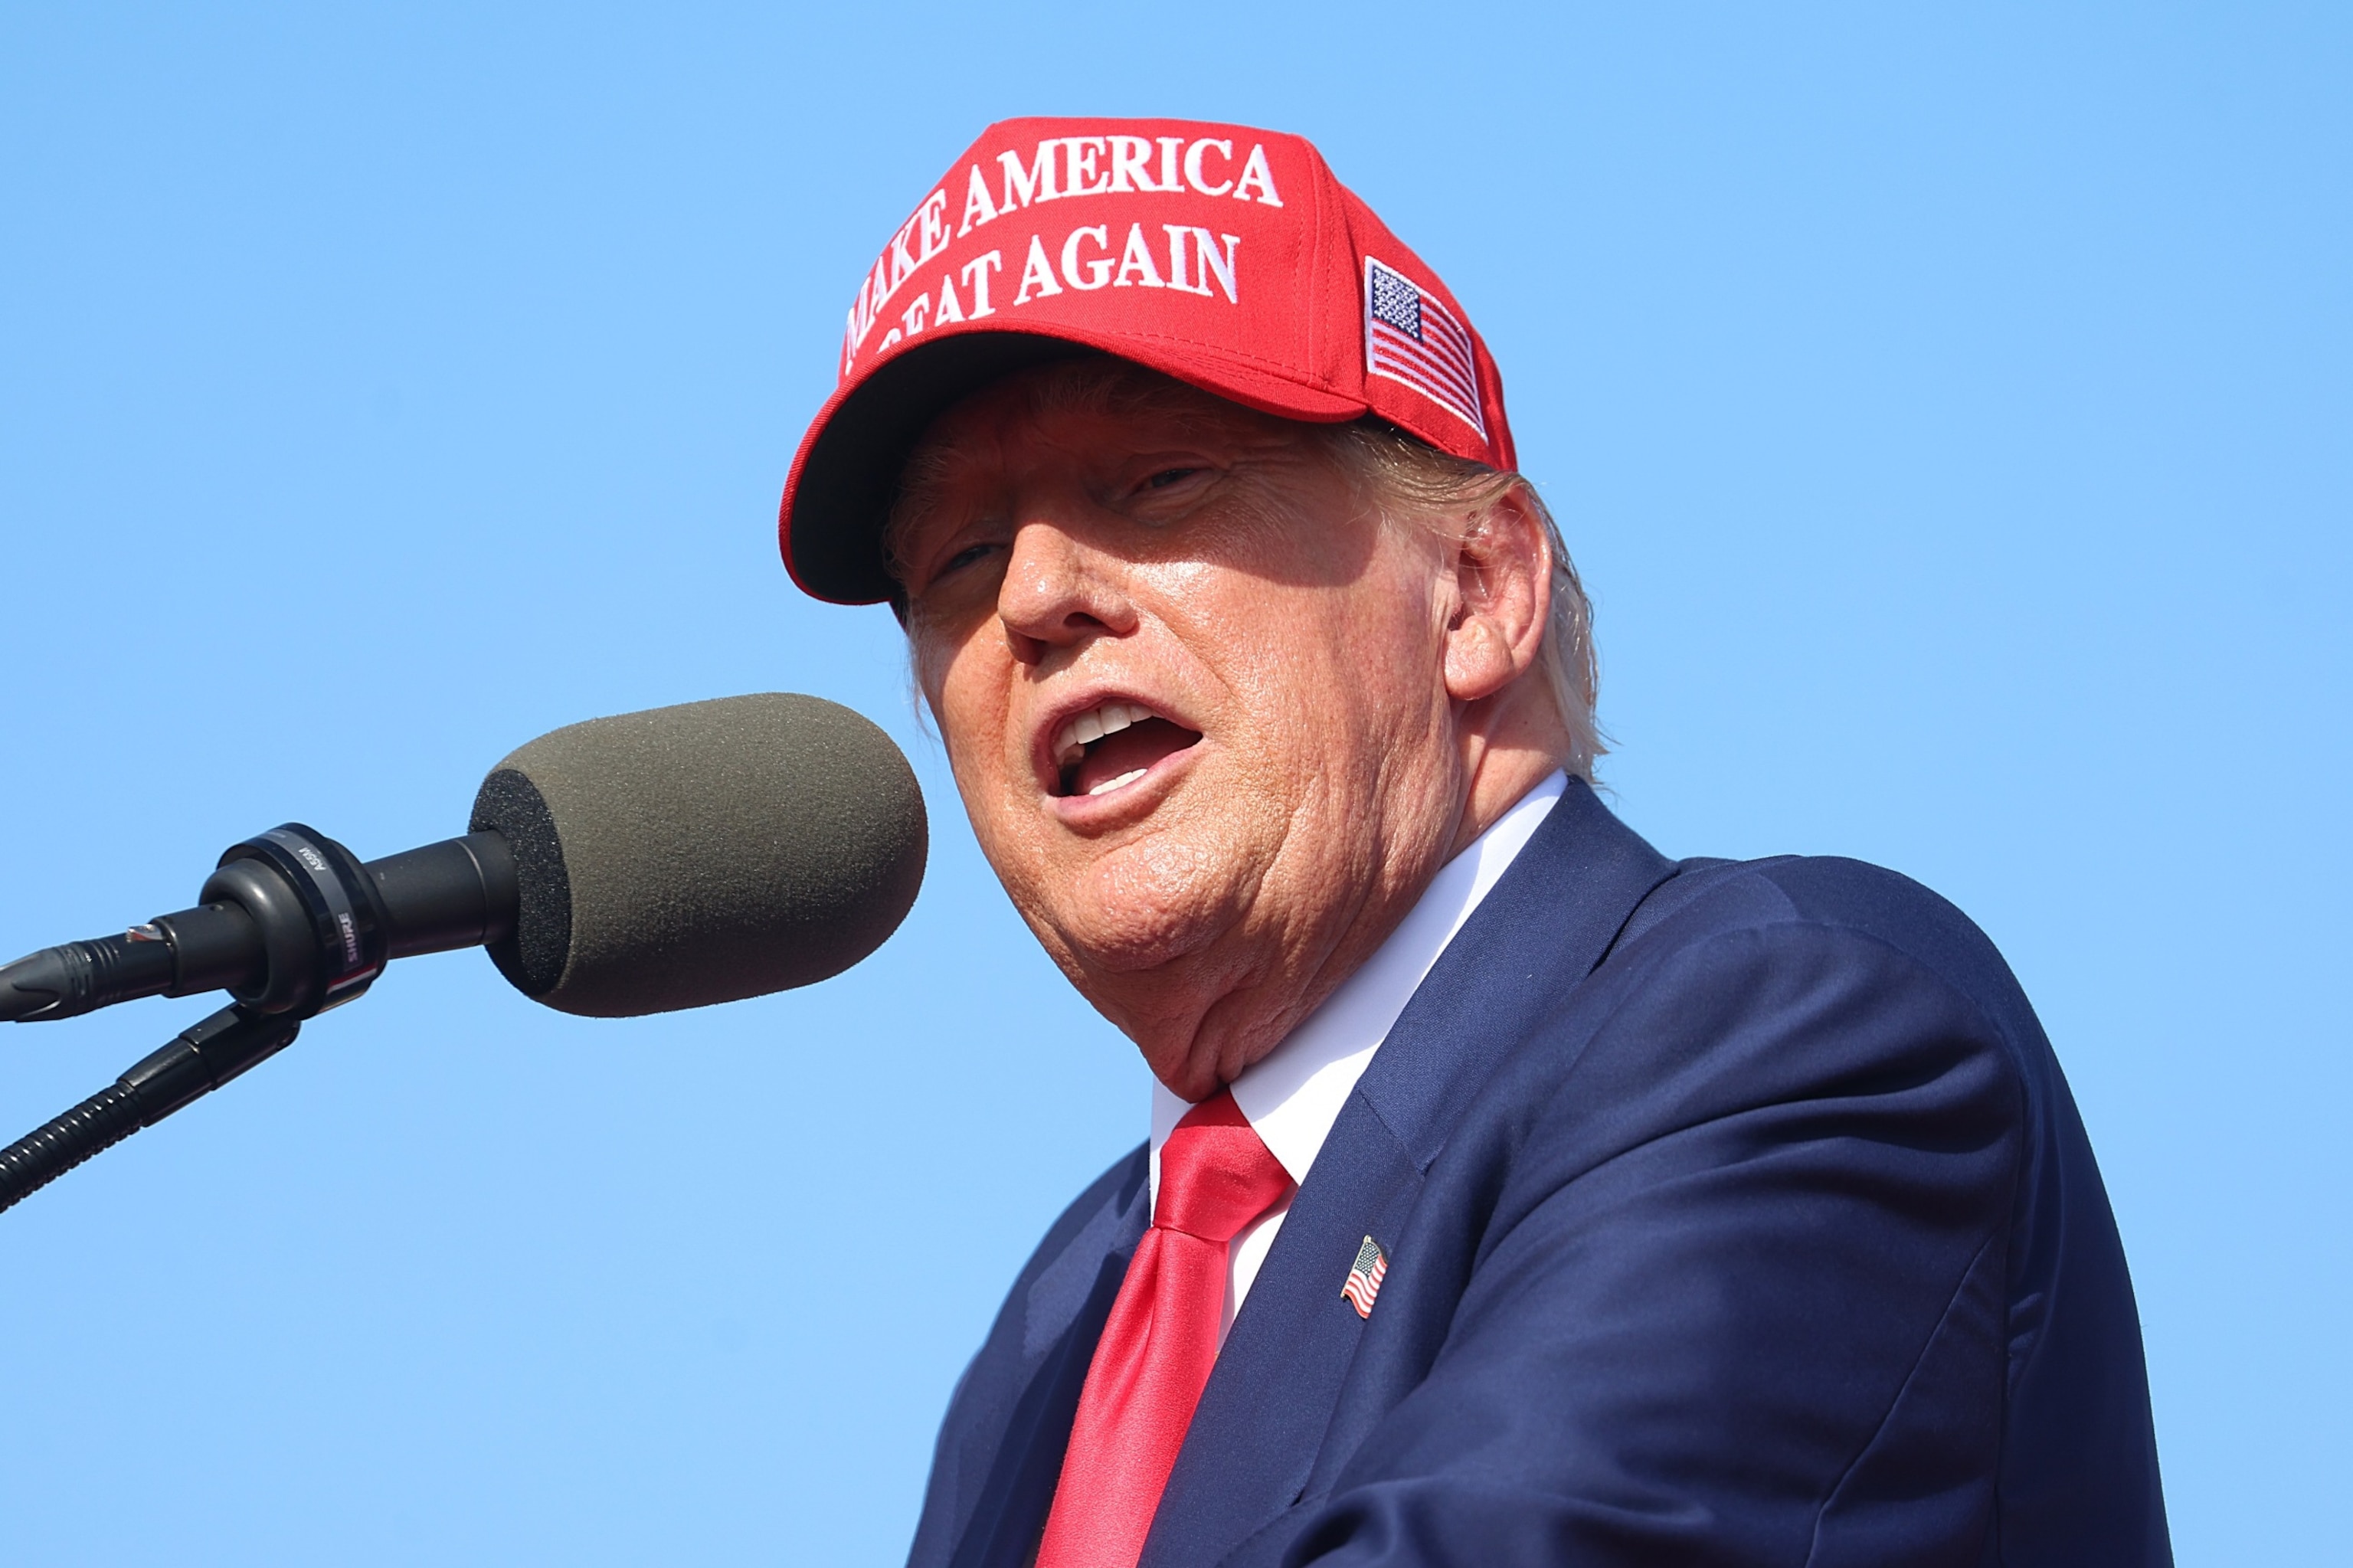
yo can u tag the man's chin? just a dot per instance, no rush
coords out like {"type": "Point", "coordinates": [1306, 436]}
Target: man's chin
{"type": "Point", "coordinates": [1152, 901]}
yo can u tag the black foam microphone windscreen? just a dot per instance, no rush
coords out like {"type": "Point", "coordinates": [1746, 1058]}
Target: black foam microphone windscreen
{"type": "Point", "coordinates": [703, 852]}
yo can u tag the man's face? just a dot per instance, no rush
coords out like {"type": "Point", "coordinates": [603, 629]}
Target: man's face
{"type": "Point", "coordinates": [1192, 694]}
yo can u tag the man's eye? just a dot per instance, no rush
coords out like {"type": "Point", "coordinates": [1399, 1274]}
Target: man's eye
{"type": "Point", "coordinates": [961, 559]}
{"type": "Point", "coordinates": [1168, 476]}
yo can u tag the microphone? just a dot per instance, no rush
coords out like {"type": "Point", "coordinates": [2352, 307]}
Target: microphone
{"type": "Point", "coordinates": [654, 861]}
{"type": "Point", "coordinates": [699, 853]}
{"type": "Point", "coordinates": [659, 860]}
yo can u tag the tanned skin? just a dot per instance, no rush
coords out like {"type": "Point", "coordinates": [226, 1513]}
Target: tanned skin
{"type": "Point", "coordinates": [1366, 695]}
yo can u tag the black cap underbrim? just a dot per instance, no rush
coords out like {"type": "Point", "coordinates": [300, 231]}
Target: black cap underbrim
{"type": "Point", "coordinates": [842, 497]}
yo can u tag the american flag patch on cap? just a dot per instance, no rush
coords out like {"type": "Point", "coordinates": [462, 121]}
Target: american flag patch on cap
{"type": "Point", "coordinates": [1365, 1279]}
{"type": "Point", "coordinates": [1411, 337]}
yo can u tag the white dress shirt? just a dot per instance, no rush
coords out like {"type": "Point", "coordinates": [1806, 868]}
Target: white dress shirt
{"type": "Point", "coordinates": [1293, 1095]}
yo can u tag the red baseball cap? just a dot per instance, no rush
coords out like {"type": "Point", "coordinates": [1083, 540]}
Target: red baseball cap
{"type": "Point", "coordinates": [1228, 258]}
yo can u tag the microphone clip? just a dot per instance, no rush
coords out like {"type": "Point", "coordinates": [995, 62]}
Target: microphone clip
{"type": "Point", "coordinates": [290, 923]}
{"type": "Point", "coordinates": [321, 921]}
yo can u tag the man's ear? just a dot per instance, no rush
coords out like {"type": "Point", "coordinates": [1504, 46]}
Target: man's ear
{"type": "Point", "coordinates": [1503, 587]}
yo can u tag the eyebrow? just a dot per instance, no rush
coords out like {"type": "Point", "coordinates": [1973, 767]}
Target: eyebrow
{"type": "Point", "coordinates": [921, 479]}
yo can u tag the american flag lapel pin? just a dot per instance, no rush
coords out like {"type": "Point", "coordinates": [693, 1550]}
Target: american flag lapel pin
{"type": "Point", "coordinates": [1365, 1279]}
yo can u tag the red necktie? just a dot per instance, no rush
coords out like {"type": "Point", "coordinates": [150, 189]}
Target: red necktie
{"type": "Point", "coordinates": [1161, 1339]}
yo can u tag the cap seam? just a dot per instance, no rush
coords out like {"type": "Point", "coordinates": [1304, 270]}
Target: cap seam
{"type": "Point", "coordinates": [1316, 255]}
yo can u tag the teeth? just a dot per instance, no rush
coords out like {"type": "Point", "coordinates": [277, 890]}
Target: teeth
{"type": "Point", "coordinates": [1108, 785]}
{"type": "Point", "coordinates": [1093, 725]}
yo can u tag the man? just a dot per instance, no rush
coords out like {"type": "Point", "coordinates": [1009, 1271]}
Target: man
{"type": "Point", "coordinates": [1514, 1194]}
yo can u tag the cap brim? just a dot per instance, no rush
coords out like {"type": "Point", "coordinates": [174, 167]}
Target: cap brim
{"type": "Point", "coordinates": [838, 501]}
{"type": "Point", "coordinates": [841, 489]}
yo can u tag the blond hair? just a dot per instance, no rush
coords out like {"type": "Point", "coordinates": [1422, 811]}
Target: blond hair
{"type": "Point", "coordinates": [1409, 481]}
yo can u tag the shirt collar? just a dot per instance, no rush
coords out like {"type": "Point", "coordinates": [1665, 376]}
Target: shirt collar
{"type": "Point", "coordinates": [1293, 1093]}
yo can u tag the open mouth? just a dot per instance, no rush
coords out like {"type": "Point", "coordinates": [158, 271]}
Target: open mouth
{"type": "Point", "coordinates": [1112, 746]}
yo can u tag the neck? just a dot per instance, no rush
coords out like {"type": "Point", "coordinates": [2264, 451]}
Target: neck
{"type": "Point", "coordinates": [1510, 743]}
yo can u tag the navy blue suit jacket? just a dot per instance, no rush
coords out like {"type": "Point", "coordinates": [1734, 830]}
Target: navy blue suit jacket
{"type": "Point", "coordinates": [1736, 1213]}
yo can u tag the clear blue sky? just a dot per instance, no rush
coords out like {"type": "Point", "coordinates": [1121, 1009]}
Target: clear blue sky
{"type": "Point", "coordinates": [1949, 409]}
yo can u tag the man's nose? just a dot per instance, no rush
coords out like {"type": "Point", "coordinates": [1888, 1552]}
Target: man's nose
{"type": "Point", "coordinates": [1057, 592]}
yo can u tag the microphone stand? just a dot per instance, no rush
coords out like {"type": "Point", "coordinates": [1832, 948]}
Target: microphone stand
{"type": "Point", "coordinates": [292, 924]}
{"type": "Point", "coordinates": [199, 1060]}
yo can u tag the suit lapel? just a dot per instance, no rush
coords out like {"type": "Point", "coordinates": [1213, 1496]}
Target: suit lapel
{"type": "Point", "coordinates": [1000, 1449]}
{"type": "Point", "coordinates": [1555, 912]}
{"type": "Point", "coordinates": [1253, 1444]}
